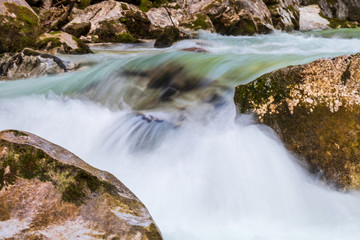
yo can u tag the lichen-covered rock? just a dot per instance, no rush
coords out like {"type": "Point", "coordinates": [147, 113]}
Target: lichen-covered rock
{"type": "Point", "coordinates": [61, 42]}
{"type": "Point", "coordinates": [310, 19]}
{"type": "Point", "coordinates": [123, 21]}
{"type": "Point", "coordinates": [284, 13]}
{"type": "Point", "coordinates": [315, 108]}
{"type": "Point", "coordinates": [30, 63]}
{"type": "Point", "coordinates": [47, 192]}
{"type": "Point", "coordinates": [19, 26]}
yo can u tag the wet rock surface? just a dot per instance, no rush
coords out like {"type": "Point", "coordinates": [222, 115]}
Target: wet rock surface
{"type": "Point", "coordinates": [315, 109]}
{"type": "Point", "coordinates": [47, 192]}
{"type": "Point", "coordinates": [30, 63]}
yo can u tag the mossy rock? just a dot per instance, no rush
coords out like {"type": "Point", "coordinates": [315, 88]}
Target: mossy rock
{"type": "Point", "coordinates": [113, 31]}
{"type": "Point", "coordinates": [339, 23]}
{"type": "Point", "coordinates": [315, 108]}
{"type": "Point", "coordinates": [137, 24]}
{"type": "Point", "coordinates": [201, 21]}
{"type": "Point", "coordinates": [61, 42]}
{"type": "Point", "coordinates": [20, 28]}
{"type": "Point", "coordinates": [168, 37]}
{"type": "Point", "coordinates": [239, 27]}
{"type": "Point", "coordinates": [78, 29]}
{"type": "Point", "coordinates": [56, 188]}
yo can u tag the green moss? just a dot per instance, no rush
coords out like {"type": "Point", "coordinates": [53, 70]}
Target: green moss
{"type": "Point", "coordinates": [48, 43]}
{"type": "Point", "coordinates": [18, 133]}
{"type": "Point", "coordinates": [84, 3]}
{"type": "Point", "coordinates": [137, 24]}
{"type": "Point", "coordinates": [330, 148]}
{"type": "Point", "coordinates": [21, 30]}
{"type": "Point", "coordinates": [124, 7]}
{"type": "Point", "coordinates": [78, 29]}
{"type": "Point", "coordinates": [338, 23]}
{"type": "Point", "coordinates": [125, 38]}
{"type": "Point", "coordinates": [82, 47]}
{"type": "Point", "coordinates": [24, 161]}
{"type": "Point", "coordinates": [145, 5]}
{"type": "Point", "coordinates": [153, 233]}
{"type": "Point", "coordinates": [199, 23]}
{"type": "Point", "coordinates": [54, 32]}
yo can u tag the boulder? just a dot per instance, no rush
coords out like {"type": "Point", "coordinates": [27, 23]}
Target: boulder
{"type": "Point", "coordinates": [181, 18]}
{"type": "Point", "coordinates": [47, 192]}
{"type": "Point", "coordinates": [19, 26]}
{"type": "Point", "coordinates": [238, 17]}
{"type": "Point", "coordinates": [61, 42]}
{"type": "Point", "coordinates": [310, 19]}
{"type": "Point", "coordinates": [30, 63]}
{"type": "Point", "coordinates": [315, 109]}
{"type": "Point", "coordinates": [284, 13]}
{"type": "Point", "coordinates": [170, 35]}
{"type": "Point", "coordinates": [337, 9]}
{"type": "Point", "coordinates": [111, 21]}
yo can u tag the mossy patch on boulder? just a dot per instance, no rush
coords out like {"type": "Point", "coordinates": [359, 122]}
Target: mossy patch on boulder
{"type": "Point", "coordinates": [113, 31]}
{"type": "Point", "coordinates": [169, 36]}
{"type": "Point", "coordinates": [315, 108]}
{"type": "Point", "coordinates": [19, 28]}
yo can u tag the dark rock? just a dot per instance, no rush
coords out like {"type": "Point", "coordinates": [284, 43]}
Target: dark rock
{"type": "Point", "coordinates": [195, 49]}
{"type": "Point", "coordinates": [30, 63]}
{"type": "Point", "coordinates": [78, 29]}
{"type": "Point", "coordinates": [168, 37]}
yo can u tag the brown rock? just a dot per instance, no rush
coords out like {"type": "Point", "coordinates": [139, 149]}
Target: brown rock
{"type": "Point", "coordinates": [47, 192]}
{"type": "Point", "coordinates": [315, 108]}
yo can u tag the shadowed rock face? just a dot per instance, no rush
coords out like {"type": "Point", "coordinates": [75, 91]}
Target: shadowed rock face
{"type": "Point", "coordinates": [315, 108]}
{"type": "Point", "coordinates": [47, 192]}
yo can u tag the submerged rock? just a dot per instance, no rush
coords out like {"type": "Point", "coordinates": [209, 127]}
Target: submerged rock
{"type": "Point", "coordinates": [315, 108]}
{"type": "Point", "coordinates": [30, 63]}
{"type": "Point", "coordinates": [47, 192]}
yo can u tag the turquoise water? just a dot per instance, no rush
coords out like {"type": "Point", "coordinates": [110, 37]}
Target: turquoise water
{"type": "Point", "coordinates": [163, 121]}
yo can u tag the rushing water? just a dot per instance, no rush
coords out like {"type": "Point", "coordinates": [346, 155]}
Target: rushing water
{"type": "Point", "coordinates": [201, 172]}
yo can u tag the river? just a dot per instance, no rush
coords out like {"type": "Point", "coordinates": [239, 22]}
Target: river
{"type": "Point", "coordinates": [163, 121]}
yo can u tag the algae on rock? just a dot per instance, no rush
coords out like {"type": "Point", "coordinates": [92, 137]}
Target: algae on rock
{"type": "Point", "coordinates": [315, 108]}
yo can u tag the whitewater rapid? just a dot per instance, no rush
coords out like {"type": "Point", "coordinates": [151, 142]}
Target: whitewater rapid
{"type": "Point", "coordinates": [209, 175]}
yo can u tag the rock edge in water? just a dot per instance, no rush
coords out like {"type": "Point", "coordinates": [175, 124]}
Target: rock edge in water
{"type": "Point", "coordinates": [315, 108]}
{"type": "Point", "coordinates": [46, 192]}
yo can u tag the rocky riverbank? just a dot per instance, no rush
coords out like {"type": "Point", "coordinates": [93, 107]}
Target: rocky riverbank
{"type": "Point", "coordinates": [315, 109]}
{"type": "Point", "coordinates": [65, 27]}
